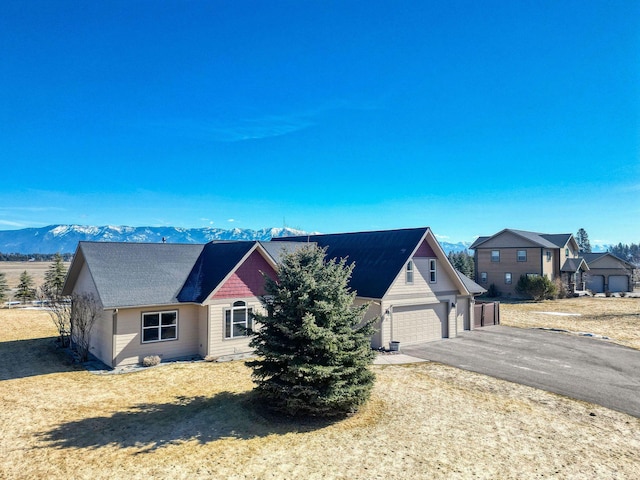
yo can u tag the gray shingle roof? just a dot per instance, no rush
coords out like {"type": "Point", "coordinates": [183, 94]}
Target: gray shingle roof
{"type": "Point", "coordinates": [555, 240]}
{"type": "Point", "coordinates": [472, 286]}
{"type": "Point", "coordinates": [572, 265]}
{"type": "Point", "coordinates": [128, 274]}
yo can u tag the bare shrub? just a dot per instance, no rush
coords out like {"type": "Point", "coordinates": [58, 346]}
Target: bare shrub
{"type": "Point", "coordinates": [85, 309]}
{"type": "Point", "coordinates": [151, 361]}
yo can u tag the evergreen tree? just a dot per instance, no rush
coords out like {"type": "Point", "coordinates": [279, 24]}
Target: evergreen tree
{"type": "Point", "coordinates": [25, 290]}
{"type": "Point", "coordinates": [313, 347]}
{"type": "Point", "coordinates": [582, 238]}
{"type": "Point", "coordinates": [54, 278]}
{"type": "Point", "coordinates": [4, 287]}
{"type": "Point", "coordinates": [463, 262]}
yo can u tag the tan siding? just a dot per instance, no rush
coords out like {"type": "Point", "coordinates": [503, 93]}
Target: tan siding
{"type": "Point", "coordinates": [372, 311]}
{"type": "Point", "coordinates": [129, 348]}
{"type": "Point", "coordinates": [100, 339]}
{"type": "Point", "coordinates": [218, 345]}
{"type": "Point", "coordinates": [203, 326]}
{"type": "Point", "coordinates": [508, 263]}
{"type": "Point", "coordinates": [421, 290]}
{"type": "Point", "coordinates": [462, 313]}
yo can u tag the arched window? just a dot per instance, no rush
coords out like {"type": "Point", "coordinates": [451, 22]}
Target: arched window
{"type": "Point", "coordinates": [237, 320]}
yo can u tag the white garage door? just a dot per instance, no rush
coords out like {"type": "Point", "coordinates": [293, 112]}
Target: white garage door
{"type": "Point", "coordinates": [618, 283]}
{"type": "Point", "coordinates": [419, 323]}
{"type": "Point", "coordinates": [595, 283]}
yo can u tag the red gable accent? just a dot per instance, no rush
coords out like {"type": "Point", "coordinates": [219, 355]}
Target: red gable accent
{"type": "Point", "coordinates": [425, 251]}
{"type": "Point", "coordinates": [247, 281]}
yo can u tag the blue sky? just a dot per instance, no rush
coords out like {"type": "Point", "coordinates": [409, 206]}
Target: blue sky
{"type": "Point", "coordinates": [330, 116]}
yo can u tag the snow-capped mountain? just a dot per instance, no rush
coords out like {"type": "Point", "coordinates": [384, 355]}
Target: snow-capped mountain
{"type": "Point", "coordinates": [65, 238]}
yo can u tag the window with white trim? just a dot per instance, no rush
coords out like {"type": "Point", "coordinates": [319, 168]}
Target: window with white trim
{"type": "Point", "coordinates": [522, 255]}
{"type": "Point", "coordinates": [495, 255]}
{"type": "Point", "coordinates": [159, 326]}
{"type": "Point", "coordinates": [507, 278]}
{"type": "Point", "coordinates": [237, 320]}
{"type": "Point", "coordinates": [409, 272]}
{"type": "Point", "coordinates": [432, 271]}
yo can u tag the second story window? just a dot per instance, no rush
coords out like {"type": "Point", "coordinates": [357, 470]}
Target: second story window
{"type": "Point", "coordinates": [432, 271]}
{"type": "Point", "coordinates": [522, 255]}
{"type": "Point", "coordinates": [566, 252]}
{"type": "Point", "coordinates": [548, 255]}
{"type": "Point", "coordinates": [409, 272]}
{"type": "Point", "coordinates": [495, 255]}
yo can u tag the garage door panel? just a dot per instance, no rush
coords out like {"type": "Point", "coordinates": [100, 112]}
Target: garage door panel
{"type": "Point", "coordinates": [618, 283]}
{"type": "Point", "coordinates": [418, 323]}
{"type": "Point", "coordinates": [595, 283]}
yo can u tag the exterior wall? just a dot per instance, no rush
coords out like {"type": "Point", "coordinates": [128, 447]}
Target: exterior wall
{"type": "Point", "coordinates": [128, 346]}
{"type": "Point", "coordinates": [419, 293]}
{"type": "Point", "coordinates": [218, 346]}
{"type": "Point", "coordinates": [535, 264]}
{"type": "Point", "coordinates": [100, 340]}
{"type": "Point", "coordinates": [608, 266]}
{"type": "Point", "coordinates": [247, 280]}
{"type": "Point", "coordinates": [372, 312]}
{"type": "Point", "coordinates": [551, 268]}
{"type": "Point", "coordinates": [463, 314]}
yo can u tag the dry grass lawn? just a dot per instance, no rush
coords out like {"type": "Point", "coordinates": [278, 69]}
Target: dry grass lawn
{"type": "Point", "coordinates": [13, 270]}
{"type": "Point", "coordinates": [197, 421]}
{"type": "Point", "coordinates": [616, 318]}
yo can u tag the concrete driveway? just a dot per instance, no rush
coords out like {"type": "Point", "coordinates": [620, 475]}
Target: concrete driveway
{"type": "Point", "coordinates": [579, 367]}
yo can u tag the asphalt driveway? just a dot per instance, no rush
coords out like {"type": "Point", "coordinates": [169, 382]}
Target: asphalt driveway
{"type": "Point", "coordinates": [579, 367]}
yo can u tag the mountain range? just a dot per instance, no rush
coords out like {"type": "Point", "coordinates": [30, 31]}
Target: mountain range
{"type": "Point", "coordinates": [65, 238]}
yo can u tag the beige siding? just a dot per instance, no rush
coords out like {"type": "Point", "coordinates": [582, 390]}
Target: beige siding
{"type": "Point", "coordinates": [218, 345]}
{"type": "Point", "coordinates": [203, 328]}
{"type": "Point", "coordinates": [462, 313]}
{"type": "Point", "coordinates": [100, 339]}
{"type": "Point", "coordinates": [129, 348]}
{"type": "Point", "coordinates": [372, 312]}
{"type": "Point", "coordinates": [412, 312]}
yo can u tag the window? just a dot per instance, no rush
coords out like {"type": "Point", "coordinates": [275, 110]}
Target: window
{"type": "Point", "coordinates": [432, 271]}
{"type": "Point", "coordinates": [566, 252]}
{"type": "Point", "coordinates": [495, 255]}
{"type": "Point", "coordinates": [409, 272]}
{"type": "Point", "coordinates": [548, 255]}
{"type": "Point", "coordinates": [159, 326]}
{"type": "Point", "coordinates": [237, 320]}
{"type": "Point", "coordinates": [522, 255]}
{"type": "Point", "coordinates": [507, 278]}
{"type": "Point", "coordinates": [483, 277]}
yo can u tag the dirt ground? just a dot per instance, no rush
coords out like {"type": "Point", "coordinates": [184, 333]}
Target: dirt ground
{"type": "Point", "coordinates": [612, 317]}
{"type": "Point", "coordinates": [198, 420]}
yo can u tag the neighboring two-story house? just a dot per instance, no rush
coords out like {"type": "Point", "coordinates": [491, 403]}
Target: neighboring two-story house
{"type": "Point", "coordinates": [502, 258]}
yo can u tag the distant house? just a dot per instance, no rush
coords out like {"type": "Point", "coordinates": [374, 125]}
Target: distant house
{"type": "Point", "coordinates": [177, 300]}
{"type": "Point", "coordinates": [501, 259]}
{"type": "Point", "coordinates": [608, 273]}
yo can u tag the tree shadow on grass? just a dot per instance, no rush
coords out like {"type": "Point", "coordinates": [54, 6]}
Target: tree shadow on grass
{"type": "Point", "coordinates": [35, 356]}
{"type": "Point", "coordinates": [205, 419]}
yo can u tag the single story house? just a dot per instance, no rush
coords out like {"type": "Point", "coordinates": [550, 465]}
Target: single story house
{"type": "Point", "coordinates": [186, 300]}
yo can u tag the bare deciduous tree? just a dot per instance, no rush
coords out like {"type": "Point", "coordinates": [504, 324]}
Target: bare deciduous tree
{"type": "Point", "coordinates": [59, 309]}
{"type": "Point", "coordinates": [85, 309]}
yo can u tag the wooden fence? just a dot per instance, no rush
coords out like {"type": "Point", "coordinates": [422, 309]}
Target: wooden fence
{"type": "Point", "coordinates": [486, 313]}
